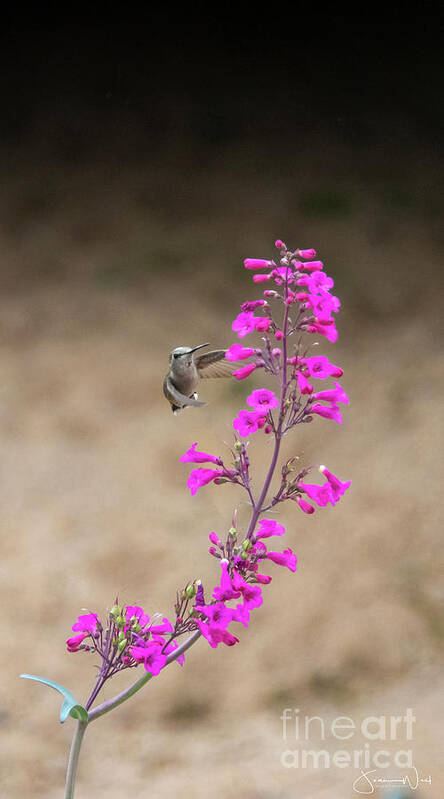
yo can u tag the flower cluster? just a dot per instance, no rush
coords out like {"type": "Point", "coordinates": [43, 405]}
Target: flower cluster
{"type": "Point", "coordinates": [302, 292]}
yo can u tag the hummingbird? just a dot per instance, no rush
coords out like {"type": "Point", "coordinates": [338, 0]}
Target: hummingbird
{"type": "Point", "coordinates": [186, 369]}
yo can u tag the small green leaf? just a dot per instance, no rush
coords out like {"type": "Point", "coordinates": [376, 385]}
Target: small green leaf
{"type": "Point", "coordinates": [70, 706]}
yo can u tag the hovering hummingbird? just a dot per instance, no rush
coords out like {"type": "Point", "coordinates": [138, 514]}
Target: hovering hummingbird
{"type": "Point", "coordinates": [186, 369]}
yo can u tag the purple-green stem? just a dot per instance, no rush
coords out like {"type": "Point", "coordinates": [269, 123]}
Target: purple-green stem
{"type": "Point", "coordinates": [257, 507]}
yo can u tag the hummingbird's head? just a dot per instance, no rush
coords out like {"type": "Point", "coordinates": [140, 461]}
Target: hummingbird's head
{"type": "Point", "coordinates": [184, 354]}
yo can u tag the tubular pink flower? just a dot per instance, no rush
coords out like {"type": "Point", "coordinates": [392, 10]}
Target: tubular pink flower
{"type": "Point", "coordinates": [335, 395]}
{"type": "Point", "coordinates": [338, 487]}
{"type": "Point", "coordinates": [251, 594]}
{"type": "Point", "coordinates": [265, 579]}
{"type": "Point", "coordinates": [304, 386]}
{"type": "Point", "coordinates": [316, 282]}
{"type": "Point", "coordinates": [201, 477]}
{"type": "Point", "coordinates": [322, 495]}
{"type": "Point", "coordinates": [249, 422]}
{"type": "Point", "coordinates": [73, 643]}
{"type": "Point", "coordinates": [282, 274]}
{"type": "Point", "coordinates": [191, 456]}
{"type": "Point", "coordinates": [269, 527]}
{"type": "Point", "coordinates": [244, 371]}
{"type": "Point", "coordinates": [286, 558]}
{"type": "Point", "coordinates": [319, 366]}
{"type": "Point", "coordinates": [150, 655]}
{"type": "Point", "coordinates": [160, 629]}
{"type": "Point", "coordinates": [332, 412]}
{"type": "Point", "coordinates": [257, 263]}
{"type": "Point", "coordinates": [305, 506]}
{"type": "Point", "coordinates": [307, 253]}
{"type": "Point", "coordinates": [88, 623]}
{"type": "Point", "coordinates": [327, 330]}
{"type": "Point", "coordinates": [313, 266]}
{"type": "Point", "coordinates": [225, 591]}
{"type": "Point", "coordinates": [261, 278]}
{"type": "Point", "coordinates": [244, 323]}
{"type": "Point", "coordinates": [216, 635]}
{"type": "Point", "coordinates": [238, 353]}
{"type": "Point", "coordinates": [252, 305]}
{"type": "Point", "coordinates": [263, 324]}
{"type": "Point", "coordinates": [241, 614]}
{"type": "Point", "coordinates": [262, 400]}
{"type": "Point", "coordinates": [218, 614]}
{"type": "Point", "coordinates": [279, 244]}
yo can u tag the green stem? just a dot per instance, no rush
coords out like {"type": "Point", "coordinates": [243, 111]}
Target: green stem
{"type": "Point", "coordinates": [74, 758]}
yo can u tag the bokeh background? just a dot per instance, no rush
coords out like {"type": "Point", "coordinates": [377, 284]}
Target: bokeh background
{"type": "Point", "coordinates": [139, 167]}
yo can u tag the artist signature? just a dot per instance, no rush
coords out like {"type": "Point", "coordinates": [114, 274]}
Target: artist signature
{"type": "Point", "coordinates": [367, 785]}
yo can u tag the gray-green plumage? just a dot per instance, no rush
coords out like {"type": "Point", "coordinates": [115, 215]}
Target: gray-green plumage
{"type": "Point", "coordinates": [186, 369]}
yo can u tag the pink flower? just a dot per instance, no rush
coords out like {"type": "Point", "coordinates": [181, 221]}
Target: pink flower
{"type": "Point", "coordinates": [249, 422]}
{"type": "Point", "coordinates": [327, 330]}
{"type": "Point", "coordinates": [332, 412]}
{"type": "Point", "coordinates": [261, 278]}
{"type": "Point", "coordinates": [73, 643]}
{"type": "Point", "coordinates": [307, 253]}
{"type": "Point", "coordinates": [269, 527]}
{"type": "Point", "coordinates": [225, 591]}
{"type": "Point", "coordinates": [319, 366]}
{"type": "Point", "coordinates": [251, 306]}
{"type": "Point", "coordinates": [201, 477]}
{"type": "Point", "coordinates": [286, 558]}
{"type": "Point", "coordinates": [251, 594]}
{"type": "Point", "coordinates": [245, 371]}
{"type": "Point", "coordinates": [279, 244]}
{"type": "Point", "coordinates": [322, 495]}
{"type": "Point", "coordinates": [305, 506]}
{"type": "Point", "coordinates": [304, 386]}
{"type": "Point", "coordinates": [314, 266]}
{"type": "Point", "coordinates": [218, 614]}
{"type": "Point", "coordinates": [257, 263]}
{"type": "Point", "coordinates": [265, 579]}
{"type": "Point", "coordinates": [191, 456]}
{"type": "Point", "coordinates": [263, 324]}
{"type": "Point", "coordinates": [88, 623]}
{"type": "Point", "coordinates": [279, 335]}
{"type": "Point", "coordinates": [241, 614]}
{"type": "Point", "coordinates": [160, 629]}
{"type": "Point", "coordinates": [338, 488]}
{"type": "Point", "coordinates": [238, 353]}
{"type": "Point", "coordinates": [150, 654]}
{"type": "Point", "coordinates": [244, 323]}
{"type": "Point", "coordinates": [216, 635]}
{"type": "Point", "coordinates": [262, 400]}
{"type": "Point", "coordinates": [335, 395]}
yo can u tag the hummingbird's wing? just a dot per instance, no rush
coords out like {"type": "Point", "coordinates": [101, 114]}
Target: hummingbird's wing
{"type": "Point", "coordinates": [214, 364]}
{"type": "Point", "coordinates": [175, 397]}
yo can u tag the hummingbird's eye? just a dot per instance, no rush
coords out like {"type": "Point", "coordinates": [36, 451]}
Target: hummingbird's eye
{"type": "Point", "coordinates": [176, 354]}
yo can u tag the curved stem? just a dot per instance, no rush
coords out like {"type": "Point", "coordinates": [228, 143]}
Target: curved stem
{"type": "Point", "coordinates": [74, 758]}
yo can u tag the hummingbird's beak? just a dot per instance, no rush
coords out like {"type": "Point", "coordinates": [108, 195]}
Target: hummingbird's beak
{"type": "Point", "coordinates": [200, 347]}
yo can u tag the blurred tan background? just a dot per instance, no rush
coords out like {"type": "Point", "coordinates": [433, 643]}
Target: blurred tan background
{"type": "Point", "coordinates": [121, 237]}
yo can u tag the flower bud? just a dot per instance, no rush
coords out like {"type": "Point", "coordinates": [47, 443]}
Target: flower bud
{"type": "Point", "coordinates": [279, 245]}
{"type": "Point", "coordinates": [257, 263]}
{"type": "Point", "coordinates": [268, 429]}
{"type": "Point", "coordinates": [232, 531]}
{"type": "Point", "coordinates": [120, 621]}
{"type": "Point", "coordinates": [246, 545]}
{"type": "Point", "coordinates": [261, 278]}
{"type": "Point", "coordinates": [190, 591]}
{"type": "Point", "coordinates": [115, 611]}
{"type": "Point", "coordinates": [307, 253]}
{"type": "Point", "coordinates": [238, 446]}
{"type": "Point", "coordinates": [279, 335]}
{"type": "Point", "coordinates": [122, 644]}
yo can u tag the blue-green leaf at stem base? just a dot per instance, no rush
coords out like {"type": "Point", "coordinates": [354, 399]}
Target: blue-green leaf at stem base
{"type": "Point", "coordinates": [70, 706]}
